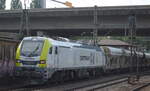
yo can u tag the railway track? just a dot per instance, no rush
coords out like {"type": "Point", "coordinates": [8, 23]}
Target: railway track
{"type": "Point", "coordinates": [88, 84]}
{"type": "Point", "coordinates": [143, 85]}
{"type": "Point", "coordinates": [122, 79]}
{"type": "Point", "coordinates": [72, 85]}
{"type": "Point", "coordinates": [64, 85]}
{"type": "Point", "coordinates": [139, 88]}
{"type": "Point", "coordinates": [10, 84]}
{"type": "Point", "coordinates": [114, 83]}
{"type": "Point", "coordinates": [99, 85]}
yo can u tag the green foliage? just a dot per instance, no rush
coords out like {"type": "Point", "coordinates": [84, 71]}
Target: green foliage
{"type": "Point", "coordinates": [35, 4]}
{"type": "Point", "coordinates": [2, 4]}
{"type": "Point", "coordinates": [16, 4]}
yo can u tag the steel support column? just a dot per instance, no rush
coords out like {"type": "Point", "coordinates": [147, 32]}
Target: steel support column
{"type": "Point", "coordinates": [95, 30]}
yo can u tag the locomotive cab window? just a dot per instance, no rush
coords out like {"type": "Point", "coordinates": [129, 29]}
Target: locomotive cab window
{"type": "Point", "coordinates": [31, 48]}
{"type": "Point", "coordinates": [56, 50]}
{"type": "Point", "coordinates": [50, 50]}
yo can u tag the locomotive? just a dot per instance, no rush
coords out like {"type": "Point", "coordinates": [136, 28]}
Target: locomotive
{"type": "Point", "coordinates": [43, 58]}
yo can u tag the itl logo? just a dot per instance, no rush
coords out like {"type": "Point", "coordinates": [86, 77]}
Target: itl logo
{"type": "Point", "coordinates": [84, 58]}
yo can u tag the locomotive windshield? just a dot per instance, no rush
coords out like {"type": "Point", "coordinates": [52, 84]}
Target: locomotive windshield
{"type": "Point", "coordinates": [31, 48]}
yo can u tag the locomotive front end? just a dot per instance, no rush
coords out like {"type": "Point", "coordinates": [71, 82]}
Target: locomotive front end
{"type": "Point", "coordinates": [31, 58]}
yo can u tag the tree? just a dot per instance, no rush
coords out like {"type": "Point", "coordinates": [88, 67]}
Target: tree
{"type": "Point", "coordinates": [16, 4]}
{"type": "Point", "coordinates": [35, 4]}
{"type": "Point", "coordinates": [2, 4]}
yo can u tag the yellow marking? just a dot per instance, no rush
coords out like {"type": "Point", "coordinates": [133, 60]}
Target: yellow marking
{"type": "Point", "coordinates": [42, 65]}
{"type": "Point", "coordinates": [18, 64]}
{"type": "Point", "coordinates": [18, 52]}
{"type": "Point", "coordinates": [45, 50]}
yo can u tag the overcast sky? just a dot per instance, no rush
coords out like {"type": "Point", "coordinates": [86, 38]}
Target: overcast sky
{"type": "Point", "coordinates": [88, 3]}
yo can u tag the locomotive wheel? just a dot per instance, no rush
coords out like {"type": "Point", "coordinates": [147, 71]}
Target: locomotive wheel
{"type": "Point", "coordinates": [92, 73]}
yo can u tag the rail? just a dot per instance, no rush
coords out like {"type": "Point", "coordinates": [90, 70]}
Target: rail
{"type": "Point", "coordinates": [141, 87]}
{"type": "Point", "coordinates": [99, 85]}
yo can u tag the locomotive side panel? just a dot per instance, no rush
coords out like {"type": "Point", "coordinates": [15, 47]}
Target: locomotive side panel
{"type": "Point", "coordinates": [89, 58]}
{"type": "Point", "coordinates": [65, 57]}
{"type": "Point", "coordinates": [84, 57]}
{"type": "Point", "coordinates": [79, 58]}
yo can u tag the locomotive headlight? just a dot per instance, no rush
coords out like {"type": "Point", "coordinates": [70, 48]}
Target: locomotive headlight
{"type": "Point", "coordinates": [42, 62]}
{"type": "Point", "coordinates": [18, 61]}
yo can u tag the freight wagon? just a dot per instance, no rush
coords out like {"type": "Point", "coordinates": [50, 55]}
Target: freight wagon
{"type": "Point", "coordinates": [7, 57]}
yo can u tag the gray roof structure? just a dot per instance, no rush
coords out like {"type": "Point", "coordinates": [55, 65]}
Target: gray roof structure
{"type": "Point", "coordinates": [110, 42]}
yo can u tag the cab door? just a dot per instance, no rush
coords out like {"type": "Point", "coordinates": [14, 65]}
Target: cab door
{"type": "Point", "coordinates": [50, 61]}
{"type": "Point", "coordinates": [56, 61]}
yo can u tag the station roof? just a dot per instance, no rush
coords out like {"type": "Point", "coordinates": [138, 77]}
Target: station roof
{"type": "Point", "coordinates": [110, 42]}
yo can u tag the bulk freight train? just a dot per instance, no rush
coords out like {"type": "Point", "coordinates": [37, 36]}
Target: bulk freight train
{"type": "Point", "coordinates": [43, 58]}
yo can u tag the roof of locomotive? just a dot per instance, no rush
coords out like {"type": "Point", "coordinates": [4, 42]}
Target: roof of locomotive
{"type": "Point", "coordinates": [64, 43]}
{"type": "Point", "coordinates": [34, 38]}
{"type": "Point", "coordinates": [53, 42]}
{"type": "Point", "coordinates": [73, 44]}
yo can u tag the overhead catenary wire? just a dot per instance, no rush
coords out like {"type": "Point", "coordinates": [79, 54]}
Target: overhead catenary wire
{"type": "Point", "coordinates": [24, 26]}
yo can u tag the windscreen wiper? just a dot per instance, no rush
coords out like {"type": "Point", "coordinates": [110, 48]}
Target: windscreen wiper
{"type": "Point", "coordinates": [34, 50]}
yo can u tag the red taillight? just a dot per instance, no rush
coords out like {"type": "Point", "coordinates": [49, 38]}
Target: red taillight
{"type": "Point", "coordinates": [42, 62]}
